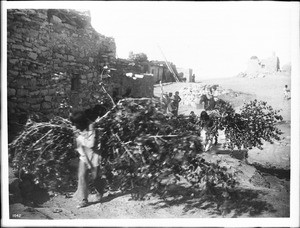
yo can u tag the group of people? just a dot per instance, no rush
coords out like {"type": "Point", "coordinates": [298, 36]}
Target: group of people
{"type": "Point", "coordinates": [171, 103]}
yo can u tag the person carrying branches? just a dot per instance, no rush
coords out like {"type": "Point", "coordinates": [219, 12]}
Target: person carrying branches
{"type": "Point", "coordinates": [88, 159]}
{"type": "Point", "coordinates": [208, 131]}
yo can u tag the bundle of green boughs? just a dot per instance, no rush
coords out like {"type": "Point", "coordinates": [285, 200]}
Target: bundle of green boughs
{"type": "Point", "coordinates": [139, 144]}
{"type": "Point", "coordinates": [43, 150]}
{"type": "Point", "coordinates": [137, 141]}
{"type": "Point", "coordinates": [255, 124]}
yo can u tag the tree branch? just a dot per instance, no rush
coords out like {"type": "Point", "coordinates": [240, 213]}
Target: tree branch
{"type": "Point", "coordinates": [125, 147]}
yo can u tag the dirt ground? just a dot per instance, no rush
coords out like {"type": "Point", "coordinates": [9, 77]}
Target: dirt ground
{"type": "Point", "coordinates": [264, 182]}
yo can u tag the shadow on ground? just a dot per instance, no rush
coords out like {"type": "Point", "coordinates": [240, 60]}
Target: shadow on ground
{"type": "Point", "coordinates": [36, 197]}
{"type": "Point", "coordinates": [238, 203]}
{"type": "Point", "coordinates": [238, 154]}
{"type": "Point", "coordinates": [109, 198]}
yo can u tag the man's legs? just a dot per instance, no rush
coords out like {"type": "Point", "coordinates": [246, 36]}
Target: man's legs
{"type": "Point", "coordinates": [98, 182]}
{"type": "Point", "coordinates": [82, 190]}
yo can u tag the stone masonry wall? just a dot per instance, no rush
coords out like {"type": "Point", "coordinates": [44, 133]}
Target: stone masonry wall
{"type": "Point", "coordinates": [140, 87]}
{"type": "Point", "coordinates": [55, 59]}
{"type": "Point", "coordinates": [46, 51]}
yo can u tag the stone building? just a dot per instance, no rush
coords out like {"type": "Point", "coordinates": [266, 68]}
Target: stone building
{"type": "Point", "coordinates": [263, 67]}
{"type": "Point", "coordinates": [120, 83]}
{"type": "Point", "coordinates": [53, 55]}
{"type": "Point", "coordinates": [161, 72]}
{"type": "Point", "coordinates": [55, 61]}
{"type": "Point", "coordinates": [270, 65]}
{"type": "Point", "coordinates": [186, 73]}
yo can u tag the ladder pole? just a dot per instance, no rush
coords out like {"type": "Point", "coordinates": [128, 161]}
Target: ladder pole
{"type": "Point", "coordinates": [168, 65]}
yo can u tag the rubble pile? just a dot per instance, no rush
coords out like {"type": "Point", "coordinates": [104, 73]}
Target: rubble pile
{"type": "Point", "coordinates": [191, 93]}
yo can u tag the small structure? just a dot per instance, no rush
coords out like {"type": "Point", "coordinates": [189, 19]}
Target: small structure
{"type": "Point", "coordinates": [261, 68]}
{"type": "Point", "coordinates": [186, 73]}
{"type": "Point", "coordinates": [270, 65]}
{"type": "Point", "coordinates": [161, 71]}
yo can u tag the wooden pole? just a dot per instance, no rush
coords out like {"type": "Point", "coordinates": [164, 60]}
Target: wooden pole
{"type": "Point", "coordinates": [168, 65]}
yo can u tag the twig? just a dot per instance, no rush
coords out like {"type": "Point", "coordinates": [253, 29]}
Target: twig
{"type": "Point", "coordinates": [163, 136]}
{"type": "Point", "coordinates": [35, 127]}
{"type": "Point", "coordinates": [125, 147]}
{"type": "Point", "coordinates": [161, 140]}
{"type": "Point", "coordinates": [41, 138]}
{"type": "Point", "coordinates": [43, 152]}
{"type": "Point", "coordinates": [99, 119]}
{"type": "Point", "coordinates": [155, 139]}
{"type": "Point", "coordinates": [112, 101]}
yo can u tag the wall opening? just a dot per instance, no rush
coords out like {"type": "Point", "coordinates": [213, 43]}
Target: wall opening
{"type": "Point", "coordinates": [75, 82]}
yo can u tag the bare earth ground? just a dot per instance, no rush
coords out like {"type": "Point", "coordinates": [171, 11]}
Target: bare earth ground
{"type": "Point", "coordinates": [264, 183]}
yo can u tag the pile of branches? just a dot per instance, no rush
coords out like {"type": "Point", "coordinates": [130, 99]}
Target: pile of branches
{"type": "Point", "coordinates": [43, 150]}
{"type": "Point", "coordinates": [139, 144]}
{"type": "Point", "coordinates": [254, 125]}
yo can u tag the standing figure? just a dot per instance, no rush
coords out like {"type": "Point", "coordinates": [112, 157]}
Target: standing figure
{"type": "Point", "coordinates": [286, 92]}
{"type": "Point", "coordinates": [211, 103]}
{"type": "Point", "coordinates": [170, 106]}
{"type": "Point", "coordinates": [176, 101]}
{"type": "Point", "coordinates": [88, 160]}
{"type": "Point", "coordinates": [204, 100]}
{"type": "Point", "coordinates": [208, 131]}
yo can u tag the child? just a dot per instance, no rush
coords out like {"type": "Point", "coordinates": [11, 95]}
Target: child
{"type": "Point", "coordinates": [206, 126]}
{"type": "Point", "coordinates": [286, 92]}
{"type": "Point", "coordinates": [88, 160]}
{"type": "Point", "coordinates": [169, 103]}
{"type": "Point", "coordinates": [193, 117]}
{"type": "Point", "coordinates": [176, 101]}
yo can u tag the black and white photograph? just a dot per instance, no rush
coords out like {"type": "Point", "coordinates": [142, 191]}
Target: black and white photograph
{"type": "Point", "coordinates": [150, 113]}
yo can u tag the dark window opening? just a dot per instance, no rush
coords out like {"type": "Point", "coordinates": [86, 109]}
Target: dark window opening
{"type": "Point", "coordinates": [75, 82]}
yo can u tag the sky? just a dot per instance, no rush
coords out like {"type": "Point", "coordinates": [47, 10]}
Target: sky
{"type": "Point", "coordinates": [215, 39]}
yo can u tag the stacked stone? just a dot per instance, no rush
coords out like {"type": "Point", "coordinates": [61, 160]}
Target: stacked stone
{"type": "Point", "coordinates": [45, 49]}
{"type": "Point", "coordinates": [191, 93]}
{"type": "Point", "coordinates": [140, 87]}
